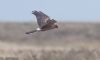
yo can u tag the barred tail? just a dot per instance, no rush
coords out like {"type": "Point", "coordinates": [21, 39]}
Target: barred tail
{"type": "Point", "coordinates": [31, 31]}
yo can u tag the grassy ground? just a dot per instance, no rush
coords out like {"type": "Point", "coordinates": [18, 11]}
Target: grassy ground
{"type": "Point", "coordinates": [72, 41]}
{"type": "Point", "coordinates": [75, 51]}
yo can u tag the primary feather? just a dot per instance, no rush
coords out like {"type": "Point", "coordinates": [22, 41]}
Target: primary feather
{"type": "Point", "coordinates": [44, 22]}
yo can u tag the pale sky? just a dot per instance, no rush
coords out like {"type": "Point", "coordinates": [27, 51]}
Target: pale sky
{"type": "Point", "coordinates": [61, 10]}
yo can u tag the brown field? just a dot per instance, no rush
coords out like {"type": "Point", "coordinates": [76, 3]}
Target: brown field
{"type": "Point", "coordinates": [72, 41]}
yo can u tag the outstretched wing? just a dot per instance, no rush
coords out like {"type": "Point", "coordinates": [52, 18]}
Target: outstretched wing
{"type": "Point", "coordinates": [50, 22]}
{"type": "Point", "coordinates": [41, 18]}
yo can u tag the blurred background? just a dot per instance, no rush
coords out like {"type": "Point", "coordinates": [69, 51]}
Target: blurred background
{"type": "Point", "coordinates": [62, 10]}
{"type": "Point", "coordinates": [77, 38]}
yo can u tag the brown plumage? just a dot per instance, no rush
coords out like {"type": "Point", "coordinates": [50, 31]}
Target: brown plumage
{"type": "Point", "coordinates": [44, 22]}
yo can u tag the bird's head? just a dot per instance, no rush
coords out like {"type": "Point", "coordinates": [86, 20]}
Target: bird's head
{"type": "Point", "coordinates": [56, 26]}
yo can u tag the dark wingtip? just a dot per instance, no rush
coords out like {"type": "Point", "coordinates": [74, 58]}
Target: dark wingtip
{"type": "Point", "coordinates": [34, 11]}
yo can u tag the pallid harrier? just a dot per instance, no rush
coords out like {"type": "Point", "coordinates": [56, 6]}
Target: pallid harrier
{"type": "Point", "coordinates": [44, 22]}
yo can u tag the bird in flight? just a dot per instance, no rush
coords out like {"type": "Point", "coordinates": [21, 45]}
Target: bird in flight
{"type": "Point", "coordinates": [44, 22]}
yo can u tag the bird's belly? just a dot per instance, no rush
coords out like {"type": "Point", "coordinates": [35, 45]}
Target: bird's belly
{"type": "Point", "coordinates": [47, 28]}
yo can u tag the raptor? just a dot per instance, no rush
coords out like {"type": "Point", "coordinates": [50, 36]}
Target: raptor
{"type": "Point", "coordinates": [44, 22]}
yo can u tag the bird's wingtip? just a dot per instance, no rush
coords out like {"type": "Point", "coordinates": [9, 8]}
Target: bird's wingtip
{"type": "Point", "coordinates": [34, 11]}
